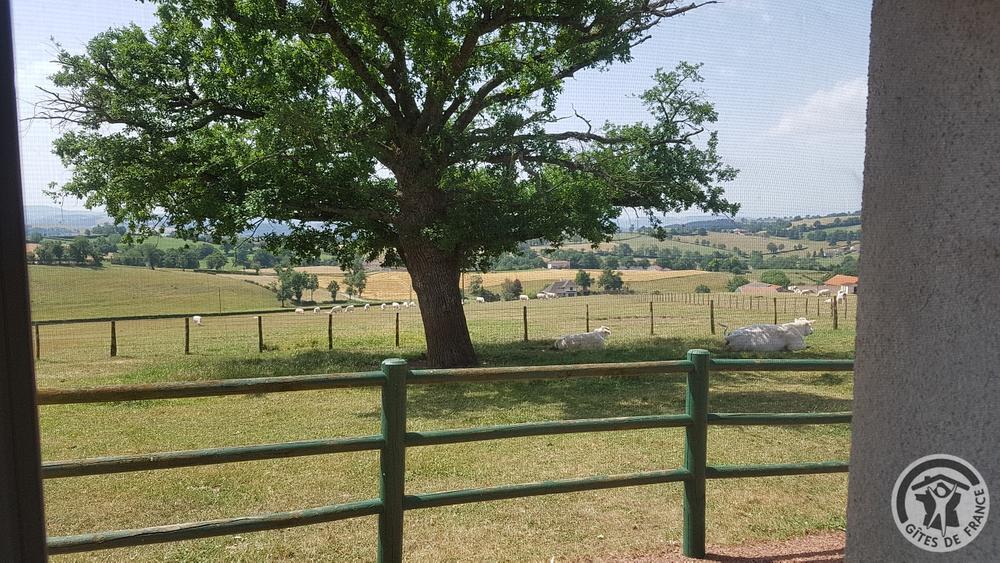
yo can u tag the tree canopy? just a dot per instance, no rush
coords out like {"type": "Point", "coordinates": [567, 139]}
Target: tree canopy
{"type": "Point", "coordinates": [427, 136]}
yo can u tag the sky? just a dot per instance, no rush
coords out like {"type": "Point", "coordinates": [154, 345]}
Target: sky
{"type": "Point", "coordinates": [788, 79]}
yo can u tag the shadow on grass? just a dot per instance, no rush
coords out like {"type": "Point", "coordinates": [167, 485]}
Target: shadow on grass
{"type": "Point", "coordinates": [620, 396]}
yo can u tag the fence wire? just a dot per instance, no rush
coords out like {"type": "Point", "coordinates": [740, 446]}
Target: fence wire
{"type": "Point", "coordinates": [631, 317]}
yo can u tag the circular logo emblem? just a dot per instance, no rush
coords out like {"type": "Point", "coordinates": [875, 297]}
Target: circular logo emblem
{"type": "Point", "coordinates": [940, 503]}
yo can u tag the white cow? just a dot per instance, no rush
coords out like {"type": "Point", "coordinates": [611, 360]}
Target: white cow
{"type": "Point", "coordinates": [522, 297]}
{"type": "Point", "coordinates": [841, 296]}
{"type": "Point", "coordinates": [770, 338]}
{"type": "Point", "coordinates": [592, 340]}
{"type": "Point", "coordinates": [300, 311]}
{"type": "Point", "coordinates": [349, 308]}
{"type": "Point", "coordinates": [367, 306]}
{"type": "Point", "coordinates": [196, 319]}
{"type": "Point", "coordinates": [315, 309]}
{"type": "Point", "coordinates": [480, 300]}
{"type": "Point", "coordinates": [383, 306]}
{"type": "Point", "coordinates": [334, 309]}
{"type": "Point", "coordinates": [395, 305]}
{"type": "Point", "coordinates": [541, 296]}
{"type": "Point", "coordinates": [823, 292]}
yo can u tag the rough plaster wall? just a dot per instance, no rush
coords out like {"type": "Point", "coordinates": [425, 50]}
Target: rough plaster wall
{"type": "Point", "coordinates": [928, 345]}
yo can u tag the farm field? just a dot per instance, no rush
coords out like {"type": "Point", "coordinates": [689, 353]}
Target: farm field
{"type": "Point", "coordinates": [683, 243]}
{"type": "Point", "coordinates": [824, 220]}
{"type": "Point", "coordinates": [608, 523]}
{"type": "Point", "coordinates": [71, 292]}
{"type": "Point", "coordinates": [395, 285]}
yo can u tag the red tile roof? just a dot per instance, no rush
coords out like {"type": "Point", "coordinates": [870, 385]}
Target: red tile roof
{"type": "Point", "coordinates": [840, 280]}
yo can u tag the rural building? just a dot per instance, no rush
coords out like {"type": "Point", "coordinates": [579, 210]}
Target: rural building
{"type": "Point", "coordinates": [841, 282]}
{"type": "Point", "coordinates": [759, 287]}
{"type": "Point", "coordinates": [562, 288]}
{"type": "Point", "coordinates": [558, 264]}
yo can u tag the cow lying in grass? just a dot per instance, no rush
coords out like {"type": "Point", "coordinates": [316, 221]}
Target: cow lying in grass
{"type": "Point", "coordinates": [770, 338]}
{"type": "Point", "coordinates": [592, 340]}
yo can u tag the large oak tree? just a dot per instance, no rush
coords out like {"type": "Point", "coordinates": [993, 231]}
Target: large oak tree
{"type": "Point", "coordinates": [423, 132]}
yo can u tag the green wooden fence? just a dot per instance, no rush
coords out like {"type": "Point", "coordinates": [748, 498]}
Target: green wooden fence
{"type": "Point", "coordinates": [393, 500]}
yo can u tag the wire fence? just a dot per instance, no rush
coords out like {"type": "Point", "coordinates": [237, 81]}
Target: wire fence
{"type": "Point", "coordinates": [631, 317]}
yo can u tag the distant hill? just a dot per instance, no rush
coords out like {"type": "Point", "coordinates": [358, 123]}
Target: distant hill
{"type": "Point", "coordinates": [55, 221]}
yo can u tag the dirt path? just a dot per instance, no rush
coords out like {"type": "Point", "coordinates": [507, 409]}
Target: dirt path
{"type": "Point", "coordinates": [816, 548]}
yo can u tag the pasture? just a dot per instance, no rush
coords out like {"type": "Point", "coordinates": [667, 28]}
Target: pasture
{"type": "Point", "coordinates": [683, 243]}
{"type": "Point", "coordinates": [619, 522]}
{"type": "Point", "coordinates": [395, 284]}
{"type": "Point", "coordinates": [72, 292]}
{"type": "Point", "coordinates": [824, 220]}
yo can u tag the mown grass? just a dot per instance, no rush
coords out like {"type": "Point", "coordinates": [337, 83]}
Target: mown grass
{"type": "Point", "coordinates": [604, 523]}
{"type": "Point", "coordinates": [71, 292]}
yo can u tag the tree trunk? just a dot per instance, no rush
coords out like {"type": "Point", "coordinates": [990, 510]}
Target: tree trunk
{"type": "Point", "coordinates": [435, 276]}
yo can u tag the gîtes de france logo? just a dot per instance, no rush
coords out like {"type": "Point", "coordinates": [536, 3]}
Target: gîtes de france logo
{"type": "Point", "coordinates": [940, 503]}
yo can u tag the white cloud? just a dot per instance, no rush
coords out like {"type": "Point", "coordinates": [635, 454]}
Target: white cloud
{"type": "Point", "coordinates": [838, 111]}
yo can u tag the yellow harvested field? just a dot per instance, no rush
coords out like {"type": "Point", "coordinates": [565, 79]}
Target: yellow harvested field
{"type": "Point", "coordinates": [395, 284]}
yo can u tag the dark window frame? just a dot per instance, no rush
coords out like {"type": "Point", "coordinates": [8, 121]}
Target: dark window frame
{"type": "Point", "coordinates": [22, 521]}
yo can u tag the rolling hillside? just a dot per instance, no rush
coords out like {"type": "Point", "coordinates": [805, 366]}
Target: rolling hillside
{"type": "Point", "coordinates": [69, 292]}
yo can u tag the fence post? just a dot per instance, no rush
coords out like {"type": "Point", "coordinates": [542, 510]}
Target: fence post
{"type": "Point", "coordinates": [260, 333]}
{"type": "Point", "coordinates": [834, 311]}
{"type": "Point", "coordinates": [38, 343]}
{"type": "Point", "coordinates": [696, 453]}
{"type": "Point", "coordinates": [397, 329]}
{"type": "Point", "coordinates": [114, 340]}
{"type": "Point", "coordinates": [588, 317]}
{"type": "Point", "coordinates": [392, 461]}
{"type": "Point", "coordinates": [711, 314]}
{"type": "Point", "coordinates": [187, 335]}
{"type": "Point", "coordinates": [650, 318]}
{"type": "Point", "coordinates": [775, 310]}
{"type": "Point", "coordinates": [525, 311]}
{"type": "Point", "coordinates": [329, 331]}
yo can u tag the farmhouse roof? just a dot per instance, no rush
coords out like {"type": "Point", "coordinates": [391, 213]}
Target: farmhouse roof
{"type": "Point", "coordinates": [759, 287]}
{"type": "Point", "coordinates": [561, 286]}
{"type": "Point", "coordinates": [840, 280]}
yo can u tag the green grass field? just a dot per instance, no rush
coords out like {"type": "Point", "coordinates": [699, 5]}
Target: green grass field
{"type": "Point", "coordinates": [612, 523]}
{"type": "Point", "coordinates": [71, 292]}
{"type": "Point", "coordinates": [823, 220]}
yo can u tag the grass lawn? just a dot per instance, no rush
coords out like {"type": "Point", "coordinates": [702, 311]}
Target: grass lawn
{"type": "Point", "coordinates": [72, 292]}
{"type": "Point", "coordinates": [615, 522]}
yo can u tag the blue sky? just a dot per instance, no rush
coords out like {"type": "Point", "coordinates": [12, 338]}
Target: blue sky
{"type": "Point", "coordinates": [788, 80]}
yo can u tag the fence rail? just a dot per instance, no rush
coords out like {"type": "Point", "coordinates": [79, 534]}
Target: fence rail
{"type": "Point", "coordinates": [394, 439]}
{"type": "Point", "coordinates": [630, 316]}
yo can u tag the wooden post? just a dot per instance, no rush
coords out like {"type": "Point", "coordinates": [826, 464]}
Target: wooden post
{"type": "Point", "coordinates": [260, 333]}
{"type": "Point", "coordinates": [38, 343]}
{"type": "Point", "coordinates": [588, 317]}
{"type": "Point", "coordinates": [329, 331]}
{"type": "Point", "coordinates": [775, 310]}
{"type": "Point", "coordinates": [711, 314]}
{"type": "Point", "coordinates": [525, 311]}
{"type": "Point", "coordinates": [650, 318]}
{"type": "Point", "coordinates": [392, 461]}
{"type": "Point", "coordinates": [187, 335]}
{"type": "Point", "coordinates": [834, 312]}
{"type": "Point", "coordinates": [114, 340]}
{"type": "Point", "coordinates": [397, 329]}
{"type": "Point", "coordinates": [695, 454]}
